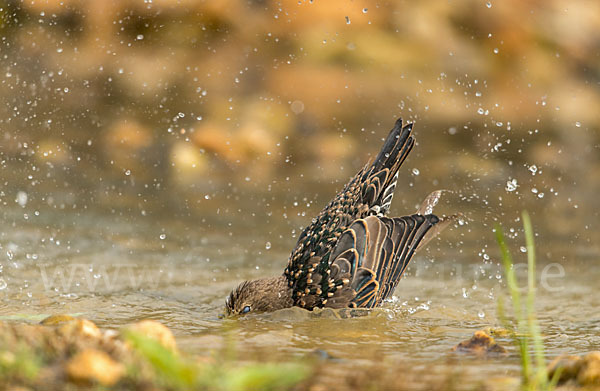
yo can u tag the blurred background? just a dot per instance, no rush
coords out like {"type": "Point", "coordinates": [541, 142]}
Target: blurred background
{"type": "Point", "coordinates": [253, 113]}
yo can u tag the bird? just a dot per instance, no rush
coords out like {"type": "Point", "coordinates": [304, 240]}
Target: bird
{"type": "Point", "coordinates": [352, 255]}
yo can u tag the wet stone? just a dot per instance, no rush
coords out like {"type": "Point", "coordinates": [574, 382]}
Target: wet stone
{"type": "Point", "coordinates": [94, 366]}
{"type": "Point", "coordinates": [480, 344]}
{"type": "Point", "coordinates": [582, 370]}
{"type": "Point", "coordinates": [155, 330]}
{"type": "Point", "coordinates": [80, 328]}
{"type": "Point", "coordinates": [569, 367]}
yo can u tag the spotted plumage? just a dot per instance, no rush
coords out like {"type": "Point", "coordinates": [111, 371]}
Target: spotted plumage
{"type": "Point", "coordinates": [351, 255]}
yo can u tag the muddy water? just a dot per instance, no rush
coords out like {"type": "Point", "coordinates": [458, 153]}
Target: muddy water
{"type": "Point", "coordinates": [116, 267]}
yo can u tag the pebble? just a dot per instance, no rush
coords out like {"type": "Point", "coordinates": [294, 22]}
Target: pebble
{"type": "Point", "coordinates": [480, 344]}
{"type": "Point", "coordinates": [94, 366]}
{"type": "Point", "coordinates": [157, 331]}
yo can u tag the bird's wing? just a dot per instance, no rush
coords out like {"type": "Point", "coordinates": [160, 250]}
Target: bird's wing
{"type": "Point", "coordinates": [370, 257]}
{"type": "Point", "coordinates": [369, 192]}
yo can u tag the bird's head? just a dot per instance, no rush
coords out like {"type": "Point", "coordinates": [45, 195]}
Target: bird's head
{"type": "Point", "coordinates": [262, 295]}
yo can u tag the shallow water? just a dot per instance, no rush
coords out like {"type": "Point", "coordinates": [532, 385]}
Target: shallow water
{"type": "Point", "coordinates": [117, 267]}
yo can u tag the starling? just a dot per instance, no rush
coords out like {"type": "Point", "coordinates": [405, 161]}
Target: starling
{"type": "Point", "coordinates": [351, 255]}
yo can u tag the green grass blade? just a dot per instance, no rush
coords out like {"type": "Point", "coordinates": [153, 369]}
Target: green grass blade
{"type": "Point", "coordinates": [521, 339]}
{"type": "Point", "coordinates": [534, 373]}
{"type": "Point", "coordinates": [534, 329]}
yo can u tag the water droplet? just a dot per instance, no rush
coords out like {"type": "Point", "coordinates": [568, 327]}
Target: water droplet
{"type": "Point", "coordinates": [59, 50]}
{"type": "Point", "coordinates": [140, 37]}
{"type": "Point", "coordinates": [511, 185]}
{"type": "Point", "coordinates": [578, 124]}
{"type": "Point", "coordinates": [347, 20]}
{"type": "Point", "coordinates": [488, 4]}
{"type": "Point", "coordinates": [268, 245]}
{"type": "Point", "coordinates": [533, 168]}
{"type": "Point", "coordinates": [162, 236]}
{"type": "Point", "coordinates": [481, 314]}
{"type": "Point", "coordinates": [416, 171]}
{"type": "Point", "coordinates": [22, 198]}
{"type": "Point", "coordinates": [523, 249]}
{"type": "Point", "coordinates": [127, 172]}
{"type": "Point", "coordinates": [496, 50]}
{"type": "Point", "coordinates": [297, 106]}
{"type": "Point", "coordinates": [365, 10]}
{"type": "Point", "coordinates": [3, 284]}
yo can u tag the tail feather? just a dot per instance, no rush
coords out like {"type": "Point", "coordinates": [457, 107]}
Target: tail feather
{"type": "Point", "coordinates": [394, 151]}
{"type": "Point", "coordinates": [396, 148]}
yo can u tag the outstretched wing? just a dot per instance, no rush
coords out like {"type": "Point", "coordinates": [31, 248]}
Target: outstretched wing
{"type": "Point", "coordinates": [370, 192]}
{"type": "Point", "coordinates": [371, 256]}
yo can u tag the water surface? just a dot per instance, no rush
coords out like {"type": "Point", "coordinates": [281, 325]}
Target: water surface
{"type": "Point", "coordinates": [116, 267]}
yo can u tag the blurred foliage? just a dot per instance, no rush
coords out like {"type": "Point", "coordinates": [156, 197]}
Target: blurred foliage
{"type": "Point", "coordinates": [176, 372]}
{"type": "Point", "coordinates": [61, 356]}
{"type": "Point", "coordinates": [106, 99]}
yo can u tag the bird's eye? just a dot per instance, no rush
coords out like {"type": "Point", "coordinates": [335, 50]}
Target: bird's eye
{"type": "Point", "coordinates": [246, 309]}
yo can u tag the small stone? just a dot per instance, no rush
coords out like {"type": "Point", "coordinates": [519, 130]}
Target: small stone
{"type": "Point", "coordinates": [157, 331]}
{"type": "Point", "coordinates": [94, 366]}
{"type": "Point", "coordinates": [54, 320]}
{"type": "Point", "coordinates": [80, 328]}
{"type": "Point", "coordinates": [590, 370]}
{"type": "Point", "coordinates": [570, 367]}
{"type": "Point", "coordinates": [480, 344]}
{"type": "Point", "coordinates": [585, 370]}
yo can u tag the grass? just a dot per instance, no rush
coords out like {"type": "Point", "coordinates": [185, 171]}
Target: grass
{"type": "Point", "coordinates": [175, 372]}
{"type": "Point", "coordinates": [36, 358]}
{"type": "Point", "coordinates": [18, 364]}
{"type": "Point", "coordinates": [524, 326]}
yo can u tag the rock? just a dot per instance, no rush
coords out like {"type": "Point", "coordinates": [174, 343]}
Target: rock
{"type": "Point", "coordinates": [590, 371]}
{"type": "Point", "coordinates": [157, 331]}
{"type": "Point", "coordinates": [80, 328]}
{"type": "Point", "coordinates": [54, 320]}
{"type": "Point", "coordinates": [94, 366]}
{"type": "Point", "coordinates": [585, 370]}
{"type": "Point", "coordinates": [480, 344]}
{"type": "Point", "coordinates": [569, 366]}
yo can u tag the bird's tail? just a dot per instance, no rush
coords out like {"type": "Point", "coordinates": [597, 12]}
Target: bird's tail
{"type": "Point", "coordinates": [383, 174]}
